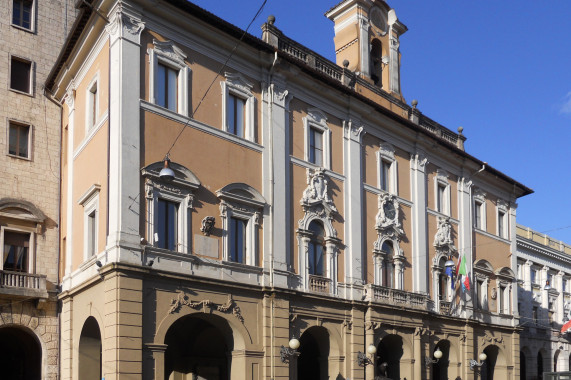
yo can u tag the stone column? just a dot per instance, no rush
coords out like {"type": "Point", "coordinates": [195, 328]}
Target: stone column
{"type": "Point", "coordinates": [364, 50]}
{"type": "Point", "coordinates": [418, 162]}
{"type": "Point", "coordinates": [435, 282]}
{"type": "Point", "coordinates": [332, 250]}
{"type": "Point", "coordinates": [465, 232]}
{"type": "Point", "coordinates": [355, 254]}
{"type": "Point", "coordinates": [70, 102]}
{"type": "Point", "coordinates": [560, 298]}
{"type": "Point", "coordinates": [157, 352]}
{"type": "Point", "coordinates": [418, 354]}
{"type": "Point", "coordinates": [124, 29]}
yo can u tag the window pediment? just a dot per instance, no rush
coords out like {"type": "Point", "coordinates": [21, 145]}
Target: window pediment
{"type": "Point", "coordinates": [241, 193]}
{"type": "Point", "coordinates": [183, 177]}
{"type": "Point", "coordinates": [169, 50]}
{"type": "Point", "coordinates": [21, 209]}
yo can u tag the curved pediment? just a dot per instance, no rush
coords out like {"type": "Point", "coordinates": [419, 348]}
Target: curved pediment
{"type": "Point", "coordinates": [242, 193]}
{"type": "Point", "coordinates": [183, 176]}
{"type": "Point", "coordinates": [21, 209]}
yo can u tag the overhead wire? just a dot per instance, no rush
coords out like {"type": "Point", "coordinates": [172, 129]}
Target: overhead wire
{"type": "Point", "coordinates": [217, 75]}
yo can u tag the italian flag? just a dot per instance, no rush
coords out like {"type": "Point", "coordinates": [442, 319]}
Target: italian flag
{"type": "Point", "coordinates": [461, 269]}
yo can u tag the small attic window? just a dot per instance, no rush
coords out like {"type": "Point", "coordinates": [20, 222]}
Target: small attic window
{"type": "Point", "coordinates": [376, 61]}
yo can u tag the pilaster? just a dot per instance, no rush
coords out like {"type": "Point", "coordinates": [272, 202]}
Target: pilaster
{"type": "Point", "coordinates": [70, 102]}
{"type": "Point", "coordinates": [355, 258]}
{"type": "Point", "coordinates": [465, 230]}
{"type": "Point", "coordinates": [418, 162]}
{"type": "Point", "coordinates": [124, 29]}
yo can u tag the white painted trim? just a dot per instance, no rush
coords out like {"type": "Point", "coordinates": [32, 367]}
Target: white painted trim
{"type": "Point", "coordinates": [86, 197]}
{"type": "Point", "coordinates": [238, 86]}
{"type": "Point", "coordinates": [89, 99]}
{"type": "Point", "coordinates": [192, 123]}
{"type": "Point", "coordinates": [502, 207]}
{"type": "Point", "coordinates": [386, 153]}
{"type": "Point", "coordinates": [316, 119]}
{"type": "Point", "coordinates": [90, 205]}
{"type": "Point", "coordinates": [376, 191]}
{"type": "Point", "coordinates": [309, 165]}
{"type": "Point", "coordinates": [479, 201]}
{"type": "Point", "coordinates": [441, 179]}
{"type": "Point", "coordinates": [92, 133]}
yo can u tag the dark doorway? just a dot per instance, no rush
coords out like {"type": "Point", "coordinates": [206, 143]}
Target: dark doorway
{"type": "Point", "coordinates": [489, 366]}
{"type": "Point", "coordinates": [199, 347]}
{"type": "Point", "coordinates": [20, 355]}
{"type": "Point", "coordinates": [389, 353]}
{"type": "Point", "coordinates": [90, 367]}
{"type": "Point", "coordinates": [539, 365]}
{"type": "Point", "coordinates": [312, 363]}
{"type": "Point", "coordinates": [440, 369]}
{"type": "Point", "coordinates": [522, 365]}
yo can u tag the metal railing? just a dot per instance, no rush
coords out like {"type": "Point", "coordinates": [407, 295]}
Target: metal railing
{"type": "Point", "coordinates": [22, 280]}
{"type": "Point", "coordinates": [319, 284]}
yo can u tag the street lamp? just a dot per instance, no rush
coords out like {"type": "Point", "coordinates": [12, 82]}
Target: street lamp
{"type": "Point", "coordinates": [449, 263]}
{"type": "Point", "coordinates": [286, 353]}
{"type": "Point", "coordinates": [363, 360]}
{"type": "Point", "coordinates": [166, 173]}
{"type": "Point", "coordinates": [547, 286]}
{"type": "Point", "coordinates": [428, 361]}
{"type": "Point", "coordinates": [475, 365]}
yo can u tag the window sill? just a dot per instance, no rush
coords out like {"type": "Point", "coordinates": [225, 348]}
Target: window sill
{"type": "Point", "coordinates": [31, 95]}
{"type": "Point", "coordinates": [15, 26]}
{"type": "Point", "coordinates": [241, 266]}
{"type": "Point", "coordinates": [19, 157]}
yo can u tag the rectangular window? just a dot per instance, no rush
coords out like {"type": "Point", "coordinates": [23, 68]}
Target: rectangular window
{"type": "Point", "coordinates": [238, 240]}
{"type": "Point", "coordinates": [385, 180]}
{"type": "Point", "coordinates": [502, 301]}
{"type": "Point", "coordinates": [501, 224]}
{"type": "Point", "coordinates": [20, 75]}
{"type": "Point", "coordinates": [534, 314]}
{"type": "Point", "coordinates": [236, 115]}
{"type": "Point", "coordinates": [19, 140]}
{"type": "Point", "coordinates": [316, 147]}
{"type": "Point", "coordinates": [478, 214]}
{"type": "Point", "coordinates": [16, 250]}
{"type": "Point", "coordinates": [91, 234]}
{"type": "Point", "coordinates": [167, 91]}
{"type": "Point", "coordinates": [167, 225]}
{"type": "Point", "coordinates": [92, 106]}
{"type": "Point", "coordinates": [564, 283]}
{"type": "Point", "coordinates": [534, 277]}
{"type": "Point", "coordinates": [22, 13]}
{"type": "Point", "coordinates": [441, 198]}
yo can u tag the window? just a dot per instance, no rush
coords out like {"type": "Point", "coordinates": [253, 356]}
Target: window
{"type": "Point", "coordinates": [238, 106]}
{"type": "Point", "coordinates": [167, 228]}
{"type": "Point", "coordinates": [92, 111]}
{"type": "Point", "coordinates": [90, 203]}
{"type": "Point", "coordinates": [316, 147]}
{"type": "Point", "coordinates": [478, 215]}
{"type": "Point", "coordinates": [317, 139]}
{"type": "Point", "coordinates": [22, 13]}
{"type": "Point", "coordinates": [169, 207]}
{"type": "Point", "coordinates": [442, 192]}
{"type": "Point", "coordinates": [238, 237]}
{"type": "Point", "coordinates": [167, 91]}
{"type": "Point", "coordinates": [502, 301]}
{"type": "Point", "coordinates": [240, 209]}
{"type": "Point", "coordinates": [534, 277]}
{"type": "Point", "coordinates": [18, 140]}
{"type": "Point", "coordinates": [387, 168]}
{"type": "Point", "coordinates": [16, 251]}
{"type": "Point", "coordinates": [21, 75]}
{"type": "Point", "coordinates": [535, 314]}
{"type": "Point", "coordinates": [236, 115]}
{"type": "Point", "coordinates": [481, 294]}
{"type": "Point", "coordinates": [479, 210]}
{"type": "Point", "coordinates": [502, 222]}
{"type": "Point", "coordinates": [388, 265]}
{"type": "Point", "coordinates": [169, 74]}
{"type": "Point", "coordinates": [316, 249]}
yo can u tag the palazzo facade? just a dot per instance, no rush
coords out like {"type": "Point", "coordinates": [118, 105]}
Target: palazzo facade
{"type": "Point", "coordinates": [307, 200]}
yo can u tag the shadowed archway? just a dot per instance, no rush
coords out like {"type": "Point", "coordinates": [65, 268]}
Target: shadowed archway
{"type": "Point", "coordinates": [389, 353]}
{"type": "Point", "coordinates": [20, 355]}
{"type": "Point", "coordinates": [313, 354]}
{"type": "Point", "coordinates": [90, 350]}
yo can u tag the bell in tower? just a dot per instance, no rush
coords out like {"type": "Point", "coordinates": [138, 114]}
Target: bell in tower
{"type": "Point", "coordinates": [367, 35]}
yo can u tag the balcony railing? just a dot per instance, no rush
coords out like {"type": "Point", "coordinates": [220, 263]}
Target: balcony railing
{"type": "Point", "coordinates": [319, 284]}
{"type": "Point", "coordinates": [381, 294]}
{"type": "Point", "coordinates": [22, 284]}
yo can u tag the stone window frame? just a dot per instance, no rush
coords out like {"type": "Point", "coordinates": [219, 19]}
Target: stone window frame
{"type": "Point", "coordinates": [439, 269]}
{"type": "Point", "coordinates": [241, 201]}
{"type": "Point", "coordinates": [380, 259]}
{"type": "Point", "coordinates": [32, 245]}
{"type": "Point", "coordinates": [32, 28]}
{"type": "Point", "coordinates": [90, 203]}
{"type": "Point", "coordinates": [168, 54]}
{"type": "Point", "coordinates": [91, 121]}
{"type": "Point", "coordinates": [502, 208]}
{"type": "Point", "coordinates": [236, 85]}
{"type": "Point", "coordinates": [441, 179]}
{"type": "Point", "coordinates": [386, 153]}
{"type": "Point", "coordinates": [483, 272]}
{"type": "Point", "coordinates": [479, 201]}
{"type": "Point", "coordinates": [317, 120]}
{"type": "Point", "coordinates": [505, 280]}
{"type": "Point", "coordinates": [11, 122]}
{"type": "Point", "coordinates": [31, 77]}
{"type": "Point", "coordinates": [181, 190]}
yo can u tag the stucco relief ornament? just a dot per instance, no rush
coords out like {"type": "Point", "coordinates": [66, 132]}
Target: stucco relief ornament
{"type": "Point", "coordinates": [207, 225]}
{"type": "Point", "coordinates": [443, 236]}
{"type": "Point", "coordinates": [182, 299]}
{"type": "Point", "coordinates": [387, 220]}
{"type": "Point", "coordinates": [315, 200]}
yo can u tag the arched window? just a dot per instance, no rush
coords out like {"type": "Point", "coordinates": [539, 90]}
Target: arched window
{"type": "Point", "coordinates": [376, 61]}
{"type": "Point", "coordinates": [316, 249]}
{"type": "Point", "coordinates": [388, 265]}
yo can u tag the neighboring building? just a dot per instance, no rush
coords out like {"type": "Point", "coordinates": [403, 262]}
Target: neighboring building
{"type": "Point", "coordinates": [309, 202]}
{"type": "Point", "coordinates": [543, 311]}
{"type": "Point", "coordinates": [32, 33]}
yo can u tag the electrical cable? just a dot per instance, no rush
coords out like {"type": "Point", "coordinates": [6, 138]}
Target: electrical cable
{"type": "Point", "coordinates": [218, 74]}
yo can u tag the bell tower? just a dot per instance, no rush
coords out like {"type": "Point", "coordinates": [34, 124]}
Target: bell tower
{"type": "Point", "coordinates": [367, 35]}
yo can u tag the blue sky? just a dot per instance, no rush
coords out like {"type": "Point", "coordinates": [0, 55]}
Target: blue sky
{"type": "Point", "coordinates": [500, 69]}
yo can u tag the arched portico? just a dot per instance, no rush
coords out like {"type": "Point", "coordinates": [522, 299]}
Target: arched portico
{"type": "Point", "coordinates": [20, 354]}
{"type": "Point", "coordinates": [495, 366]}
{"type": "Point", "coordinates": [90, 351]}
{"type": "Point", "coordinates": [314, 349]}
{"type": "Point", "coordinates": [394, 357]}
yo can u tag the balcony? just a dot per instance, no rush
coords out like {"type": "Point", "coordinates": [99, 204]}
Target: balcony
{"type": "Point", "coordinates": [389, 296]}
{"type": "Point", "coordinates": [319, 284]}
{"type": "Point", "coordinates": [19, 284]}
